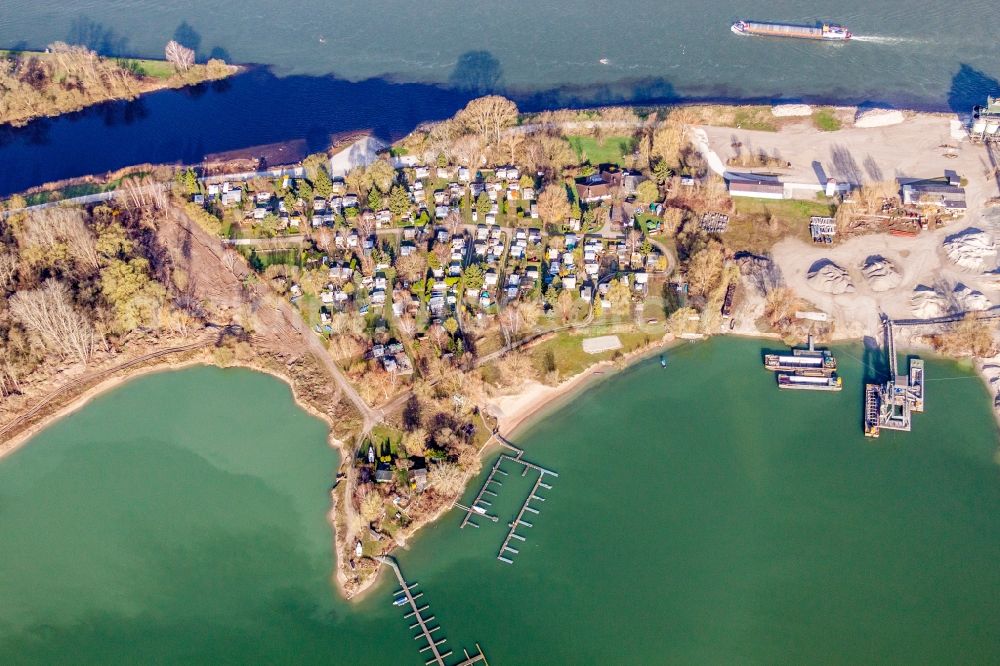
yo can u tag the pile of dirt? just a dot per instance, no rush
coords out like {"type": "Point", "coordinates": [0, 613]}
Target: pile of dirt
{"type": "Point", "coordinates": [829, 278]}
{"type": "Point", "coordinates": [760, 272]}
{"type": "Point", "coordinates": [970, 248]}
{"type": "Point", "coordinates": [927, 303]}
{"type": "Point", "coordinates": [878, 118]}
{"type": "Point", "coordinates": [971, 300]}
{"type": "Point", "coordinates": [882, 274]}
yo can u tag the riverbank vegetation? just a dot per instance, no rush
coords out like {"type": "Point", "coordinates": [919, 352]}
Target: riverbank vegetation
{"type": "Point", "coordinates": [67, 78]}
{"type": "Point", "coordinates": [77, 286]}
{"type": "Point", "coordinates": [971, 336]}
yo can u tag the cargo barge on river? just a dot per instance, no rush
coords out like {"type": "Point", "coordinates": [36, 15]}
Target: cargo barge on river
{"type": "Point", "coordinates": [823, 32]}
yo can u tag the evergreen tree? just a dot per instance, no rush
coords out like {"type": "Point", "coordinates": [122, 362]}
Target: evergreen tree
{"type": "Point", "coordinates": [322, 185]}
{"type": "Point", "coordinates": [483, 204]}
{"type": "Point", "coordinates": [399, 201]}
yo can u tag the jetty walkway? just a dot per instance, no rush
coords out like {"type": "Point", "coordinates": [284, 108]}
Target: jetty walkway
{"type": "Point", "coordinates": [424, 623]}
{"type": "Point", "coordinates": [491, 487]}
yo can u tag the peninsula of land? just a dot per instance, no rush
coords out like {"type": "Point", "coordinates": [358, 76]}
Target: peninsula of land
{"type": "Point", "coordinates": [65, 78]}
{"type": "Point", "coordinates": [426, 296]}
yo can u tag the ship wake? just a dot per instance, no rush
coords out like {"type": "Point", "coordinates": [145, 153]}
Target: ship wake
{"type": "Point", "coordinates": [888, 40]}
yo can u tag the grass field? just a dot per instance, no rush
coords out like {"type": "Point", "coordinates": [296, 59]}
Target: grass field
{"type": "Point", "coordinates": [155, 69]}
{"type": "Point", "coordinates": [644, 220]}
{"type": "Point", "coordinates": [826, 120]}
{"type": "Point", "coordinates": [609, 151]}
{"type": "Point", "coordinates": [565, 350]}
{"type": "Point", "coordinates": [759, 223]}
{"type": "Point", "coordinates": [68, 192]}
{"type": "Point", "coordinates": [755, 118]}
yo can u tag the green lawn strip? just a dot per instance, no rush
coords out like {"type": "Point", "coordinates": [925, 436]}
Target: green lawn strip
{"type": "Point", "coordinates": [826, 120]}
{"type": "Point", "coordinates": [609, 151]}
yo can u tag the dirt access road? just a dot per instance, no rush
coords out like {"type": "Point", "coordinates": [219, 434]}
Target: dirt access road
{"type": "Point", "coordinates": [220, 278]}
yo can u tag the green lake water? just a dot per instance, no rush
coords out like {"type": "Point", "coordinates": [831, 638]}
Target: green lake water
{"type": "Point", "coordinates": [700, 516]}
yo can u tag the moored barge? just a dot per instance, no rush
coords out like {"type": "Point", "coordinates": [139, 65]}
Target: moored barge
{"type": "Point", "coordinates": [823, 32]}
{"type": "Point", "coordinates": [802, 359]}
{"type": "Point", "coordinates": [810, 382]}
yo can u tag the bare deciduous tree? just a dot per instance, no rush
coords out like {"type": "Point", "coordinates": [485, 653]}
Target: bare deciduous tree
{"type": "Point", "coordinates": [8, 269]}
{"type": "Point", "coordinates": [488, 117]}
{"type": "Point", "coordinates": [705, 269]}
{"type": "Point", "coordinates": [553, 205]}
{"type": "Point", "coordinates": [516, 317]}
{"type": "Point", "coordinates": [179, 55]}
{"type": "Point", "coordinates": [365, 225]}
{"type": "Point", "coordinates": [80, 239]}
{"type": "Point", "coordinates": [446, 478]}
{"type": "Point", "coordinates": [412, 266]}
{"type": "Point", "coordinates": [454, 222]}
{"type": "Point", "coordinates": [142, 194]}
{"type": "Point", "coordinates": [323, 237]}
{"type": "Point", "coordinates": [48, 313]}
{"type": "Point", "coordinates": [515, 369]}
{"type": "Point", "coordinates": [468, 150]}
{"type": "Point", "coordinates": [407, 324]}
{"type": "Point", "coordinates": [231, 260]}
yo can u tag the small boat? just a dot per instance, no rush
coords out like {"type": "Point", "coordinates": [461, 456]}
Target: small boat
{"type": "Point", "coordinates": [824, 32]}
{"type": "Point", "coordinates": [603, 61]}
{"type": "Point", "coordinates": [663, 361]}
{"type": "Point", "coordinates": [399, 601]}
{"type": "Point", "coordinates": [478, 509]}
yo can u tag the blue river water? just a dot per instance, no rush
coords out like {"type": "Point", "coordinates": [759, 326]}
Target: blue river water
{"type": "Point", "coordinates": [330, 66]}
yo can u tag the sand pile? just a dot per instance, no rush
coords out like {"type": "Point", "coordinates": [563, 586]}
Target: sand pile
{"type": "Point", "coordinates": [882, 274]}
{"type": "Point", "coordinates": [926, 303]}
{"type": "Point", "coordinates": [790, 110]}
{"type": "Point", "coordinates": [878, 118]}
{"type": "Point", "coordinates": [971, 300]}
{"type": "Point", "coordinates": [829, 278]}
{"type": "Point", "coordinates": [970, 248]}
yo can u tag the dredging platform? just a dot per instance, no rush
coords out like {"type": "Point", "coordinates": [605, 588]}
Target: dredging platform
{"type": "Point", "coordinates": [891, 405]}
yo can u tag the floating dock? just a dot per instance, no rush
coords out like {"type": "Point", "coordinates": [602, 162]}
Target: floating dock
{"type": "Point", "coordinates": [491, 487]}
{"type": "Point", "coordinates": [424, 623]}
{"type": "Point", "coordinates": [891, 405]}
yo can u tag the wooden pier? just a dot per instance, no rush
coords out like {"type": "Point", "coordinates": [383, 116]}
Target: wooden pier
{"type": "Point", "coordinates": [491, 487]}
{"type": "Point", "coordinates": [423, 623]}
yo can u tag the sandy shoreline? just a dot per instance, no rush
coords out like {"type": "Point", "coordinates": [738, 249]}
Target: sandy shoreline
{"type": "Point", "coordinates": [23, 436]}
{"type": "Point", "coordinates": [518, 410]}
